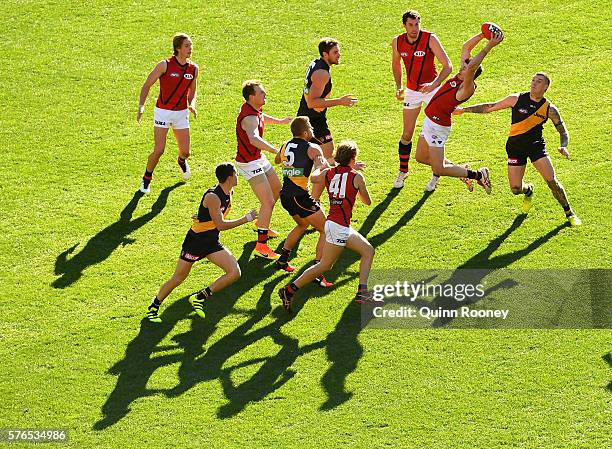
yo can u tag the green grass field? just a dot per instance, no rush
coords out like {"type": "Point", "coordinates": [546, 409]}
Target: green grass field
{"type": "Point", "coordinates": [82, 255]}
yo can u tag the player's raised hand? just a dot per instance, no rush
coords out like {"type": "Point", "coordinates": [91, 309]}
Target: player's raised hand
{"type": "Point", "coordinates": [348, 100]}
{"type": "Point", "coordinates": [359, 165]}
{"type": "Point", "coordinates": [496, 39]}
{"type": "Point", "coordinates": [564, 152]}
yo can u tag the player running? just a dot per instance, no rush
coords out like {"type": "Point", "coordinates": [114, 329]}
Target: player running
{"type": "Point", "coordinates": [253, 165]}
{"type": "Point", "coordinates": [298, 157]}
{"type": "Point", "coordinates": [178, 80]}
{"type": "Point", "coordinates": [437, 123]}
{"type": "Point", "coordinates": [315, 101]}
{"type": "Point", "coordinates": [417, 49]}
{"type": "Point", "coordinates": [202, 241]}
{"type": "Point", "coordinates": [530, 110]}
{"type": "Point", "coordinates": [344, 184]}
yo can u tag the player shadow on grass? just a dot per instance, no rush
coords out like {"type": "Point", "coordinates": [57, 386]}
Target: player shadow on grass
{"type": "Point", "coordinates": [608, 358]}
{"type": "Point", "coordinates": [477, 267]}
{"type": "Point", "coordinates": [102, 245]}
{"type": "Point", "coordinates": [199, 364]}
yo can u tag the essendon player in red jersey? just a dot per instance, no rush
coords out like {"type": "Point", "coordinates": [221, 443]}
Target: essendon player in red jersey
{"type": "Point", "coordinates": [253, 165]}
{"type": "Point", "coordinates": [344, 184]}
{"type": "Point", "coordinates": [178, 80]}
{"type": "Point", "coordinates": [437, 123]}
{"type": "Point", "coordinates": [417, 49]}
{"type": "Point", "coordinates": [530, 110]}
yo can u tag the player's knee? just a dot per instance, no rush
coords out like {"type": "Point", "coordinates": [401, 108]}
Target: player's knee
{"type": "Point", "coordinates": [516, 189]}
{"type": "Point", "coordinates": [235, 273]}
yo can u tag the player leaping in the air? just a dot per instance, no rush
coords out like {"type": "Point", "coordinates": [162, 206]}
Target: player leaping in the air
{"type": "Point", "coordinates": [530, 110]}
{"type": "Point", "coordinates": [437, 123]}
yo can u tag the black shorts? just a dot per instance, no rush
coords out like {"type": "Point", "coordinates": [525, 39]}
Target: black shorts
{"type": "Point", "coordinates": [321, 130]}
{"type": "Point", "coordinates": [517, 155]}
{"type": "Point", "coordinates": [302, 205]}
{"type": "Point", "coordinates": [196, 245]}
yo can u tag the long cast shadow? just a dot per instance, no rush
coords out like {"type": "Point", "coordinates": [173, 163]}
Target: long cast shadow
{"type": "Point", "coordinates": [477, 267]}
{"type": "Point", "coordinates": [102, 245]}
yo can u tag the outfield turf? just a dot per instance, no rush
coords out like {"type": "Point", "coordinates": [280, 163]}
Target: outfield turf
{"type": "Point", "coordinates": [82, 254]}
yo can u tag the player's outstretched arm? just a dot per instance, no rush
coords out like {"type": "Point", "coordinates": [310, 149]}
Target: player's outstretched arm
{"type": "Point", "coordinates": [318, 175]}
{"type": "Point", "coordinates": [213, 203]}
{"type": "Point", "coordinates": [362, 189]}
{"type": "Point", "coordinates": [158, 71]}
{"type": "Point", "coordinates": [316, 155]}
{"type": "Point", "coordinates": [315, 99]}
{"type": "Point", "coordinates": [250, 125]}
{"type": "Point", "coordinates": [269, 120]}
{"type": "Point", "coordinates": [468, 46]}
{"type": "Point", "coordinates": [555, 117]}
{"type": "Point", "coordinates": [485, 108]}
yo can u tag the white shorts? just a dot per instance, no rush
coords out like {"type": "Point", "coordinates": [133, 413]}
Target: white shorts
{"type": "Point", "coordinates": [257, 167]}
{"type": "Point", "coordinates": [337, 234]}
{"type": "Point", "coordinates": [414, 99]}
{"type": "Point", "coordinates": [435, 135]}
{"type": "Point", "coordinates": [165, 118]}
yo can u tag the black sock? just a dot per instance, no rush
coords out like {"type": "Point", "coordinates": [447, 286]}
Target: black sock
{"type": "Point", "coordinates": [148, 175]}
{"type": "Point", "coordinates": [404, 150]}
{"type": "Point", "coordinates": [568, 211]}
{"type": "Point", "coordinates": [529, 190]}
{"type": "Point", "coordinates": [284, 256]}
{"type": "Point", "coordinates": [474, 174]}
{"type": "Point", "coordinates": [155, 304]}
{"type": "Point", "coordinates": [181, 163]}
{"type": "Point", "coordinates": [362, 287]}
{"type": "Point", "coordinates": [204, 294]}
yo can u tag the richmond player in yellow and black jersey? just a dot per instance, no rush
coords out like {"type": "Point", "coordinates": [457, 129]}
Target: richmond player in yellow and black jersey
{"type": "Point", "coordinates": [315, 98]}
{"type": "Point", "coordinates": [298, 158]}
{"type": "Point", "coordinates": [202, 241]}
{"type": "Point", "coordinates": [530, 110]}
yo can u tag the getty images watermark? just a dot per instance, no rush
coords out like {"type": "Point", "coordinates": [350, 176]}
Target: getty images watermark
{"type": "Point", "coordinates": [481, 298]}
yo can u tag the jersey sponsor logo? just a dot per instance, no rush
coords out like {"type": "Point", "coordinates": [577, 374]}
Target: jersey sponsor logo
{"type": "Point", "coordinates": [453, 84]}
{"type": "Point", "coordinates": [257, 170]}
{"type": "Point", "coordinates": [523, 111]}
{"type": "Point", "coordinates": [419, 54]}
{"type": "Point", "coordinates": [335, 202]}
{"type": "Point", "coordinates": [512, 160]}
{"type": "Point", "coordinates": [435, 117]}
{"type": "Point", "coordinates": [291, 172]}
{"type": "Point", "coordinates": [341, 241]}
{"type": "Point", "coordinates": [175, 75]}
{"type": "Point", "coordinates": [539, 115]}
{"type": "Point", "coordinates": [188, 76]}
{"type": "Point", "coordinates": [159, 122]}
{"type": "Point", "coordinates": [404, 54]}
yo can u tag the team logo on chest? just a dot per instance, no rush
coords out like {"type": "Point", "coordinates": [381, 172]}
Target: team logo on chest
{"type": "Point", "coordinates": [523, 111]}
{"type": "Point", "coordinates": [188, 76]}
{"type": "Point", "coordinates": [175, 75]}
{"type": "Point", "coordinates": [419, 54]}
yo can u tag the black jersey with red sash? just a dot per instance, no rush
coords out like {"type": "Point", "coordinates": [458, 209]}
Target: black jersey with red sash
{"type": "Point", "coordinates": [444, 102]}
{"type": "Point", "coordinates": [246, 151]}
{"type": "Point", "coordinates": [296, 167]}
{"type": "Point", "coordinates": [340, 183]}
{"type": "Point", "coordinates": [528, 118]}
{"type": "Point", "coordinates": [174, 85]}
{"type": "Point", "coordinates": [418, 59]}
{"type": "Point", "coordinates": [204, 223]}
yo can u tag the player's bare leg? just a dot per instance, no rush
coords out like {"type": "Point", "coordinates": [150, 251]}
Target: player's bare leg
{"type": "Point", "coordinates": [180, 274]}
{"type": "Point", "coordinates": [267, 198]}
{"type": "Point", "coordinates": [358, 243]}
{"type": "Point", "coordinates": [545, 168]}
{"type": "Point", "coordinates": [159, 145]}
{"type": "Point", "coordinates": [516, 173]}
{"type": "Point", "coordinates": [183, 141]}
{"type": "Point", "coordinates": [225, 260]}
